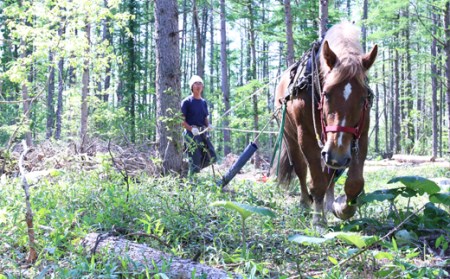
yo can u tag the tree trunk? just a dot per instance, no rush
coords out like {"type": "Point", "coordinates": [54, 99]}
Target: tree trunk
{"type": "Point", "coordinates": [50, 97]}
{"type": "Point", "coordinates": [447, 70]}
{"type": "Point", "coordinates": [198, 37]}
{"type": "Point", "coordinates": [396, 120]}
{"type": "Point", "coordinates": [168, 85]}
{"type": "Point", "coordinates": [85, 88]}
{"type": "Point", "coordinates": [224, 75]}
{"type": "Point", "coordinates": [107, 37]}
{"type": "Point", "coordinates": [151, 258]}
{"type": "Point", "coordinates": [59, 105]}
{"type": "Point", "coordinates": [408, 91]}
{"type": "Point", "coordinates": [289, 35]}
{"type": "Point", "coordinates": [323, 16]}
{"type": "Point", "coordinates": [363, 27]}
{"type": "Point", "coordinates": [377, 114]}
{"type": "Point", "coordinates": [434, 103]}
{"type": "Point", "coordinates": [386, 108]}
{"type": "Point", "coordinates": [26, 98]}
{"type": "Point", "coordinates": [131, 72]}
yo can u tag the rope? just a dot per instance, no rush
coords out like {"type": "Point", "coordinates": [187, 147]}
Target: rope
{"type": "Point", "coordinates": [248, 131]}
{"type": "Point", "coordinates": [248, 97]}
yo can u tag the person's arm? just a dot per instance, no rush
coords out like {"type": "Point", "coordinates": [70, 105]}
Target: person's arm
{"type": "Point", "coordinates": [187, 126]}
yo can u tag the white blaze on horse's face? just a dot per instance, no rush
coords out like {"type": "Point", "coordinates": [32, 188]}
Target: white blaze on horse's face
{"type": "Point", "coordinates": [341, 108]}
{"type": "Point", "coordinates": [341, 134]}
{"type": "Point", "coordinates": [347, 91]}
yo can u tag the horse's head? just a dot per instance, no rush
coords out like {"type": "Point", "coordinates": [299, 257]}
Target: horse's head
{"type": "Point", "coordinates": [344, 103]}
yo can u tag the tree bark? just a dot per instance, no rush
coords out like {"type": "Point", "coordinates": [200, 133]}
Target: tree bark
{"type": "Point", "coordinates": [289, 35]}
{"type": "Point", "coordinates": [199, 41]}
{"type": "Point", "coordinates": [253, 75]}
{"type": "Point", "coordinates": [50, 97]}
{"type": "Point", "coordinates": [168, 85]}
{"type": "Point", "coordinates": [363, 27]}
{"type": "Point", "coordinates": [85, 88]}
{"type": "Point", "coordinates": [323, 16]}
{"type": "Point", "coordinates": [447, 69]}
{"type": "Point", "coordinates": [107, 37]}
{"type": "Point", "coordinates": [224, 79]}
{"type": "Point", "coordinates": [396, 120]}
{"type": "Point", "coordinates": [26, 98]}
{"type": "Point", "coordinates": [434, 103]}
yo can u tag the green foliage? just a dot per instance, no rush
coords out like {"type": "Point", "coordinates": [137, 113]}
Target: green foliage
{"type": "Point", "coordinates": [245, 210]}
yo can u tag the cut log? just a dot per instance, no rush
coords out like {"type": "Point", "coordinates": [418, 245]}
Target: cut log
{"type": "Point", "coordinates": [415, 159]}
{"type": "Point", "coordinates": [144, 257]}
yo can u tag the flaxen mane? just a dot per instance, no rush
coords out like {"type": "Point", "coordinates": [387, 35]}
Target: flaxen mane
{"type": "Point", "coordinates": [344, 41]}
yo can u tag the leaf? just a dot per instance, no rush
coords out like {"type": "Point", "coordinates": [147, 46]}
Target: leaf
{"type": "Point", "coordinates": [304, 239]}
{"type": "Point", "coordinates": [244, 210]}
{"type": "Point", "coordinates": [351, 238]}
{"type": "Point", "coordinates": [380, 195]}
{"type": "Point", "coordinates": [443, 198]}
{"type": "Point", "coordinates": [383, 255]}
{"type": "Point", "coordinates": [418, 184]}
{"type": "Point", "coordinates": [332, 260]}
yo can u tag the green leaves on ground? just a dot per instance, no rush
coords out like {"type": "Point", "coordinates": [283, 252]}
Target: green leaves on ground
{"type": "Point", "coordinates": [355, 239]}
{"type": "Point", "coordinates": [414, 185]}
{"type": "Point", "coordinates": [245, 210]}
{"type": "Point", "coordinates": [419, 184]}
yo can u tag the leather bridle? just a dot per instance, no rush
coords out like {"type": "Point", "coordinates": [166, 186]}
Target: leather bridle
{"type": "Point", "coordinates": [356, 130]}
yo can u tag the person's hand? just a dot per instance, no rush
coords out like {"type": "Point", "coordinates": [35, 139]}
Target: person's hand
{"type": "Point", "coordinates": [210, 127]}
{"type": "Point", "coordinates": [195, 131]}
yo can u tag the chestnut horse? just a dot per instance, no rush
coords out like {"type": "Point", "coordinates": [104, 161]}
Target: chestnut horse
{"type": "Point", "coordinates": [327, 122]}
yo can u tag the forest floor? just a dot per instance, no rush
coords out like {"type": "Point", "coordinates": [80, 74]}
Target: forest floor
{"type": "Point", "coordinates": [101, 204]}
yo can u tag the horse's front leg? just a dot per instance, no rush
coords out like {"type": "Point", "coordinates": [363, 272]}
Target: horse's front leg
{"type": "Point", "coordinates": [344, 206]}
{"type": "Point", "coordinates": [321, 191]}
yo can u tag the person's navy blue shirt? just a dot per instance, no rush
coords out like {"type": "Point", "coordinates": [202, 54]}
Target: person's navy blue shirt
{"type": "Point", "coordinates": [194, 110]}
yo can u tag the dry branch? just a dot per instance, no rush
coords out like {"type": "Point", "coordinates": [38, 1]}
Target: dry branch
{"type": "Point", "coordinates": [32, 256]}
{"type": "Point", "coordinates": [145, 257]}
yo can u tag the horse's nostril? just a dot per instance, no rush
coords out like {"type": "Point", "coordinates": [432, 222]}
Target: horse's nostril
{"type": "Point", "coordinates": [325, 156]}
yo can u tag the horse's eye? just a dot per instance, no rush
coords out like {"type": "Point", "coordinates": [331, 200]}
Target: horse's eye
{"type": "Point", "coordinates": [326, 95]}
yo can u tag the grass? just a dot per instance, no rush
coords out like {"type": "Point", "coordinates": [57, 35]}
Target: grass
{"type": "Point", "coordinates": [71, 204]}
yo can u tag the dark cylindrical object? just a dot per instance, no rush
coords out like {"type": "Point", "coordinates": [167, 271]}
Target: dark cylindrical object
{"type": "Point", "coordinates": [237, 166]}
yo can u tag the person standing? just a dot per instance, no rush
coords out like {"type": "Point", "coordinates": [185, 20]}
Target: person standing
{"type": "Point", "coordinates": [196, 126]}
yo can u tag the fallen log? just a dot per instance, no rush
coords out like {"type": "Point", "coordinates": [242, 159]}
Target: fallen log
{"type": "Point", "coordinates": [415, 159]}
{"type": "Point", "coordinates": [144, 257]}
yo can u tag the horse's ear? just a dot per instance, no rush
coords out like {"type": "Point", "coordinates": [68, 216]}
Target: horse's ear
{"type": "Point", "coordinates": [369, 58]}
{"type": "Point", "coordinates": [329, 55]}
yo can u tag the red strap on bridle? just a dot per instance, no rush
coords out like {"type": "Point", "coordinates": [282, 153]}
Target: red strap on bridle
{"type": "Point", "coordinates": [356, 131]}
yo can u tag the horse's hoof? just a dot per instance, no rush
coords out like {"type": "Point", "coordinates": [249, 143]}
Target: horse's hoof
{"type": "Point", "coordinates": [306, 201]}
{"type": "Point", "coordinates": [342, 210]}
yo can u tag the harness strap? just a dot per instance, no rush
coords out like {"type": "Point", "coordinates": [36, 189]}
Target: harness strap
{"type": "Point", "coordinates": [279, 138]}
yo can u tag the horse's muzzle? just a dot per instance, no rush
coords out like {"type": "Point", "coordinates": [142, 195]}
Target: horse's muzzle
{"type": "Point", "coordinates": [335, 161]}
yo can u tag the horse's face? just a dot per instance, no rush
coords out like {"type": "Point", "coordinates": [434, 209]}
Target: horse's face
{"type": "Point", "coordinates": [344, 105]}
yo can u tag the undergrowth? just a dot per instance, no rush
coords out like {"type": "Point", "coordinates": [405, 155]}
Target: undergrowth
{"type": "Point", "coordinates": [68, 205]}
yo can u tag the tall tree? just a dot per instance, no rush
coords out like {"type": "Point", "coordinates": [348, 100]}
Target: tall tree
{"type": "Point", "coordinates": [168, 85]}
{"type": "Point", "coordinates": [289, 35]}
{"type": "Point", "coordinates": [199, 40]}
{"type": "Point", "coordinates": [50, 96]}
{"type": "Point", "coordinates": [224, 77]}
{"type": "Point", "coordinates": [323, 17]}
{"type": "Point", "coordinates": [59, 104]}
{"type": "Point", "coordinates": [25, 96]}
{"type": "Point", "coordinates": [85, 87]}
